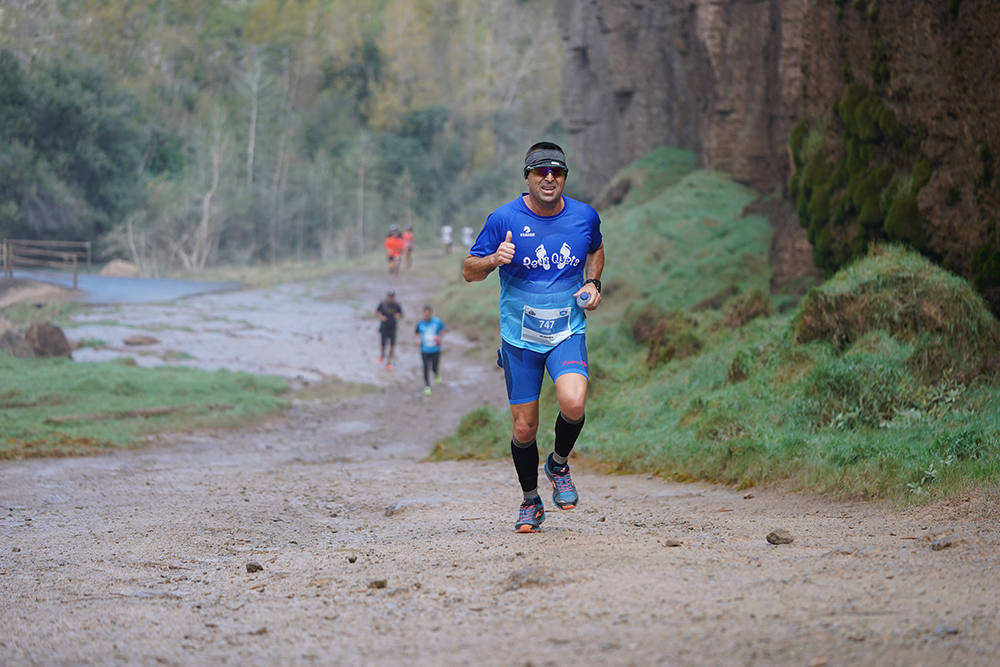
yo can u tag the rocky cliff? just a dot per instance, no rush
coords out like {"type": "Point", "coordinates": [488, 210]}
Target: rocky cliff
{"type": "Point", "coordinates": [721, 77]}
{"type": "Point", "coordinates": [732, 79]}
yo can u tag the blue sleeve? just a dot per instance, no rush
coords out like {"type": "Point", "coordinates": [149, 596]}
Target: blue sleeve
{"type": "Point", "coordinates": [489, 238]}
{"type": "Point", "coordinates": [596, 238]}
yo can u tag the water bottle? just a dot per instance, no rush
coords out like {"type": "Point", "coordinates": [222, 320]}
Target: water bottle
{"type": "Point", "coordinates": [583, 299]}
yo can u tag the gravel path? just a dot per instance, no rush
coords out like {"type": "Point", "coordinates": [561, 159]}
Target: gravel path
{"type": "Point", "coordinates": [368, 555]}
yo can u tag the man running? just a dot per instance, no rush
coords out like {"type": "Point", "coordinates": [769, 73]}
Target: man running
{"type": "Point", "coordinates": [388, 312]}
{"type": "Point", "coordinates": [446, 239]}
{"type": "Point", "coordinates": [394, 250]}
{"type": "Point", "coordinates": [429, 330]}
{"type": "Point", "coordinates": [549, 250]}
{"type": "Point", "coordinates": [408, 246]}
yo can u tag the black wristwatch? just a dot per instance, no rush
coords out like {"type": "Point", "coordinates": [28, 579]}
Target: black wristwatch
{"type": "Point", "coordinates": [597, 283]}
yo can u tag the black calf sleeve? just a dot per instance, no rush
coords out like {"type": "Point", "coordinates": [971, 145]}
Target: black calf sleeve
{"type": "Point", "coordinates": [566, 434]}
{"type": "Point", "coordinates": [525, 463]}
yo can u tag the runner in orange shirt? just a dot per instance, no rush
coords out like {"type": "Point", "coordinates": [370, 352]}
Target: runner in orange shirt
{"type": "Point", "coordinates": [408, 245]}
{"type": "Point", "coordinates": [394, 250]}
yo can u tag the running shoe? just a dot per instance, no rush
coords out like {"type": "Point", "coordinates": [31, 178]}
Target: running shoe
{"type": "Point", "coordinates": [381, 359]}
{"type": "Point", "coordinates": [427, 391]}
{"type": "Point", "coordinates": [530, 516]}
{"type": "Point", "coordinates": [437, 380]}
{"type": "Point", "coordinates": [563, 492]}
{"type": "Point", "coordinates": [388, 367]}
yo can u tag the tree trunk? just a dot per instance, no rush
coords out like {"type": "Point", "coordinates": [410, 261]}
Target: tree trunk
{"type": "Point", "coordinates": [253, 83]}
{"type": "Point", "coordinates": [201, 247]}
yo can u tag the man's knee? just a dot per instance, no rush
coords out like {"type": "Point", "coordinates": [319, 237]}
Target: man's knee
{"type": "Point", "coordinates": [525, 429]}
{"type": "Point", "coordinates": [525, 432]}
{"type": "Point", "coordinates": [573, 410]}
{"type": "Point", "coordinates": [572, 398]}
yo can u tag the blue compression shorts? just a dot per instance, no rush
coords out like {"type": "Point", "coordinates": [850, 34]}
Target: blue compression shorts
{"type": "Point", "coordinates": [523, 369]}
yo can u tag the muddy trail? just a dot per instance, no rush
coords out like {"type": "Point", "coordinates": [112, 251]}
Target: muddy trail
{"type": "Point", "coordinates": [324, 536]}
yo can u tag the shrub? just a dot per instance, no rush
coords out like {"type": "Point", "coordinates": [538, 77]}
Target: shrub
{"type": "Point", "coordinates": [906, 295]}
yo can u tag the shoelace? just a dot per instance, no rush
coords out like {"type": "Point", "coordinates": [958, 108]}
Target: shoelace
{"type": "Point", "coordinates": [527, 512]}
{"type": "Point", "coordinates": [562, 481]}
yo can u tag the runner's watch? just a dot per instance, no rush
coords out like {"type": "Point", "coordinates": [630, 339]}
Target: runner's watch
{"type": "Point", "coordinates": [597, 283]}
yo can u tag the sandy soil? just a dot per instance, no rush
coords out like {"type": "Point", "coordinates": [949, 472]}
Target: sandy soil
{"type": "Point", "coordinates": [20, 290]}
{"type": "Point", "coordinates": [371, 556]}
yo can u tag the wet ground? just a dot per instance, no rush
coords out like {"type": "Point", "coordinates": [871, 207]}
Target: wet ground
{"type": "Point", "coordinates": [324, 537]}
{"type": "Point", "coordinates": [92, 288]}
{"type": "Point", "coordinates": [305, 333]}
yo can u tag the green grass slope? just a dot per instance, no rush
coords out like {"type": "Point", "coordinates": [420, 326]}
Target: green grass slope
{"type": "Point", "coordinates": [882, 382]}
{"type": "Point", "coordinates": [55, 407]}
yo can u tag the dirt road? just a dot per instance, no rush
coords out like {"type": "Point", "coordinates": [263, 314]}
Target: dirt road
{"type": "Point", "coordinates": [371, 556]}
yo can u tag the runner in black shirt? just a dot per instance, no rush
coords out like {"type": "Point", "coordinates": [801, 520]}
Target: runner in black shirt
{"type": "Point", "coordinates": [388, 312]}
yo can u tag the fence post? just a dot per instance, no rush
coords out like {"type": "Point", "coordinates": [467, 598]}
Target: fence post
{"type": "Point", "coordinates": [6, 260]}
{"type": "Point", "coordinates": [74, 270]}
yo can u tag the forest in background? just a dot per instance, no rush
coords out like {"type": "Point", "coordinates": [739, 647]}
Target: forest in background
{"type": "Point", "coordinates": [182, 134]}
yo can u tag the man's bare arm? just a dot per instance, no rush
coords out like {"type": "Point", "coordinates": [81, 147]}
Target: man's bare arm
{"type": "Point", "coordinates": [477, 268]}
{"type": "Point", "coordinates": [593, 269]}
{"type": "Point", "coordinates": [595, 264]}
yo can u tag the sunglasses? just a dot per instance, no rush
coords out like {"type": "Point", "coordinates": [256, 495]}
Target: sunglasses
{"type": "Point", "coordinates": [542, 172]}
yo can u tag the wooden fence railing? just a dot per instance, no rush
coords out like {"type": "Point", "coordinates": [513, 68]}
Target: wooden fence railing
{"type": "Point", "coordinates": [61, 255]}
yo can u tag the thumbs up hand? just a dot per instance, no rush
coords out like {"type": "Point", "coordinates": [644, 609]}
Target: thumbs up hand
{"type": "Point", "coordinates": [504, 253]}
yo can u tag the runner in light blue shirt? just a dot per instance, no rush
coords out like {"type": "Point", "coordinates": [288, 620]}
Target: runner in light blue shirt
{"type": "Point", "coordinates": [549, 249]}
{"type": "Point", "coordinates": [429, 330]}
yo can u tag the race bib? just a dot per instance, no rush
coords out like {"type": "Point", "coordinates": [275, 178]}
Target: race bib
{"type": "Point", "coordinates": [547, 326]}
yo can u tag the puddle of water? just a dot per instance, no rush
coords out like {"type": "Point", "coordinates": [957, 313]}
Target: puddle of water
{"type": "Point", "coordinates": [304, 333]}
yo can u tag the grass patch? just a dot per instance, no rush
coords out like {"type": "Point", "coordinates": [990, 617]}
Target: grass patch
{"type": "Point", "coordinates": [479, 436]}
{"type": "Point", "coordinates": [883, 382]}
{"type": "Point", "coordinates": [271, 274]}
{"type": "Point", "coordinates": [58, 407]}
{"type": "Point", "coordinates": [25, 314]}
{"type": "Point", "coordinates": [335, 389]}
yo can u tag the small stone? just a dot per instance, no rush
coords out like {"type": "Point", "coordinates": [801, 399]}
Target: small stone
{"type": "Point", "coordinates": [16, 549]}
{"type": "Point", "coordinates": [818, 662]}
{"type": "Point", "coordinates": [528, 576]}
{"type": "Point", "coordinates": [672, 543]}
{"type": "Point", "coordinates": [352, 558]}
{"type": "Point", "coordinates": [780, 537]}
{"type": "Point", "coordinates": [602, 519]}
{"type": "Point", "coordinates": [941, 543]}
{"type": "Point", "coordinates": [259, 631]}
{"type": "Point", "coordinates": [840, 551]}
{"type": "Point", "coordinates": [943, 630]}
{"type": "Point", "coordinates": [140, 339]}
{"type": "Point", "coordinates": [748, 496]}
{"type": "Point", "coordinates": [254, 567]}
{"type": "Point", "coordinates": [378, 583]}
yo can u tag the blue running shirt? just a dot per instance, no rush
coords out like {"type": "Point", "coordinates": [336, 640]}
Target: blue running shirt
{"type": "Point", "coordinates": [537, 309]}
{"type": "Point", "coordinates": [429, 331]}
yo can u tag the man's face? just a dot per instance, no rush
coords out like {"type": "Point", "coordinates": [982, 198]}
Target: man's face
{"type": "Point", "coordinates": [545, 184]}
{"type": "Point", "coordinates": [427, 315]}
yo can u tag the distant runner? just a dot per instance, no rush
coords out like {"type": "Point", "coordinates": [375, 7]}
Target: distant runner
{"type": "Point", "coordinates": [408, 246]}
{"type": "Point", "coordinates": [394, 246]}
{"type": "Point", "coordinates": [446, 239]}
{"type": "Point", "coordinates": [549, 250]}
{"type": "Point", "coordinates": [430, 330]}
{"type": "Point", "coordinates": [468, 237]}
{"type": "Point", "coordinates": [389, 312]}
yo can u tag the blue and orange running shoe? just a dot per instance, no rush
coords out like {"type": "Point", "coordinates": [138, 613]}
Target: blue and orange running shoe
{"type": "Point", "coordinates": [530, 516]}
{"type": "Point", "coordinates": [563, 492]}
